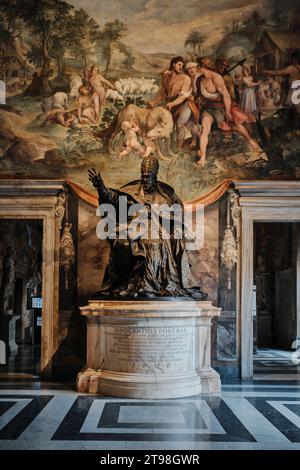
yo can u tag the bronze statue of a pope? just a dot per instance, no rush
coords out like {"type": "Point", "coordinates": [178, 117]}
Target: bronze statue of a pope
{"type": "Point", "coordinates": [146, 266]}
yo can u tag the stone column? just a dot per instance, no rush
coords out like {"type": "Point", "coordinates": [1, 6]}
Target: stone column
{"type": "Point", "coordinates": [210, 379]}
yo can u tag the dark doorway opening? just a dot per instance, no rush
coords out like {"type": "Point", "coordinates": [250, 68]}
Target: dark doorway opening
{"type": "Point", "coordinates": [21, 297]}
{"type": "Point", "coordinates": [275, 319]}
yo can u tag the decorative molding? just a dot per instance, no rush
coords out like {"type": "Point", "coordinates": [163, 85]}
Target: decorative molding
{"type": "Point", "coordinates": [267, 188]}
{"type": "Point", "coordinates": [235, 211]}
{"type": "Point", "coordinates": [229, 253]}
{"type": "Point", "coordinates": [265, 201]}
{"type": "Point", "coordinates": [250, 214]}
{"type": "Point", "coordinates": [60, 207]}
{"type": "Point", "coordinates": [67, 252]}
{"type": "Point", "coordinates": [30, 199]}
{"type": "Point", "coordinates": [229, 247]}
{"type": "Point", "coordinates": [266, 193]}
{"type": "Point", "coordinates": [20, 187]}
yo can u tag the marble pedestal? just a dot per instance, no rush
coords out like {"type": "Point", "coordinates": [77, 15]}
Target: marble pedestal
{"type": "Point", "coordinates": [148, 349]}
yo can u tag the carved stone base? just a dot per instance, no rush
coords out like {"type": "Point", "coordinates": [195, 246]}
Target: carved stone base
{"type": "Point", "coordinates": [137, 386]}
{"type": "Point", "coordinates": [148, 349]}
{"type": "Point", "coordinates": [210, 381]}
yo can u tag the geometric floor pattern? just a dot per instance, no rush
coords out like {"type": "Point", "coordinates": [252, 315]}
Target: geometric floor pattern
{"type": "Point", "coordinates": [272, 364]}
{"type": "Point", "coordinates": [274, 358]}
{"type": "Point", "coordinates": [242, 418]}
{"type": "Point", "coordinates": [263, 413]}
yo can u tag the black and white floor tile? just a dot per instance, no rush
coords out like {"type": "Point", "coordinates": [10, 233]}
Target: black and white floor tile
{"type": "Point", "coordinates": [236, 420]}
{"type": "Point", "coordinates": [249, 415]}
{"type": "Point", "coordinates": [272, 365]}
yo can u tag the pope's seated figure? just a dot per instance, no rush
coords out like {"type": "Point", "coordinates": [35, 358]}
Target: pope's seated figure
{"type": "Point", "coordinates": [144, 266]}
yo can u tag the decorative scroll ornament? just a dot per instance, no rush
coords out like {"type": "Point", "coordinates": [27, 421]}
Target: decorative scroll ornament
{"type": "Point", "coordinates": [235, 212]}
{"type": "Point", "coordinates": [229, 248]}
{"type": "Point", "coordinates": [67, 249]}
{"type": "Point", "coordinates": [60, 207]}
{"type": "Point", "coordinates": [67, 252]}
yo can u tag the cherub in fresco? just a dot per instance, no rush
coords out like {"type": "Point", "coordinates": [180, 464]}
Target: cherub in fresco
{"type": "Point", "coordinates": [130, 130]}
{"type": "Point", "coordinates": [150, 146]}
{"type": "Point", "coordinates": [216, 107]}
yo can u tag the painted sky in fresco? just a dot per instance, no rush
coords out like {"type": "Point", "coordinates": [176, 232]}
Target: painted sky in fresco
{"type": "Point", "coordinates": [162, 25]}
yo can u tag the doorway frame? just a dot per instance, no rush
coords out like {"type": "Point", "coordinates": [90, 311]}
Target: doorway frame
{"type": "Point", "coordinates": [42, 200]}
{"type": "Point", "coordinates": [260, 201]}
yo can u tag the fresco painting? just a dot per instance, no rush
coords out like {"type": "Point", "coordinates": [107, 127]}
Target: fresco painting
{"type": "Point", "coordinates": [211, 88]}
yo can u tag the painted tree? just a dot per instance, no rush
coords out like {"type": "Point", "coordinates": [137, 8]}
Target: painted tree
{"type": "Point", "coordinates": [59, 46]}
{"type": "Point", "coordinates": [84, 35]}
{"type": "Point", "coordinates": [129, 59]}
{"type": "Point", "coordinates": [255, 23]}
{"type": "Point", "coordinates": [11, 16]}
{"type": "Point", "coordinates": [57, 50]}
{"type": "Point", "coordinates": [4, 35]}
{"type": "Point", "coordinates": [195, 40]}
{"type": "Point", "coordinates": [11, 28]}
{"type": "Point", "coordinates": [255, 19]}
{"type": "Point", "coordinates": [228, 30]}
{"type": "Point", "coordinates": [64, 41]}
{"type": "Point", "coordinates": [109, 36]}
{"type": "Point", "coordinates": [45, 18]}
{"type": "Point", "coordinates": [277, 15]}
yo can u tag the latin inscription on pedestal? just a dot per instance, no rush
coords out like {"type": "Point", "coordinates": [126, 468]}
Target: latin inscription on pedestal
{"type": "Point", "coordinates": [150, 350]}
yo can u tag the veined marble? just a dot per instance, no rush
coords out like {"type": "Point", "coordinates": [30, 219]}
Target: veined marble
{"type": "Point", "coordinates": [149, 349]}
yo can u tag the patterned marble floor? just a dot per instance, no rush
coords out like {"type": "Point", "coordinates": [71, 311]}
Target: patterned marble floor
{"type": "Point", "coordinates": [274, 364]}
{"type": "Point", "coordinates": [252, 415]}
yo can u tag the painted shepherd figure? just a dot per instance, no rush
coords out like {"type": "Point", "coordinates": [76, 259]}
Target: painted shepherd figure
{"type": "Point", "coordinates": [216, 107]}
{"type": "Point", "coordinates": [144, 266]}
{"type": "Point", "coordinates": [174, 93]}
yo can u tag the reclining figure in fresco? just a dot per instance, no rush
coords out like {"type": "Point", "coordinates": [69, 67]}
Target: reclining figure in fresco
{"type": "Point", "coordinates": [146, 266]}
